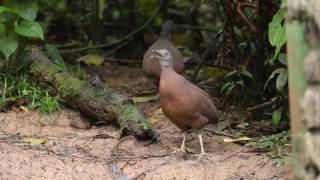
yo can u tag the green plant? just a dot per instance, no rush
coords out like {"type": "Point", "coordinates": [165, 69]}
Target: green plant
{"type": "Point", "coordinates": [277, 33]}
{"type": "Point", "coordinates": [237, 80]}
{"type": "Point", "coordinates": [56, 57]}
{"type": "Point", "coordinates": [16, 87]}
{"type": "Point", "coordinates": [48, 103]}
{"type": "Point", "coordinates": [275, 144]}
{"type": "Point", "coordinates": [238, 85]}
{"type": "Point", "coordinates": [17, 23]}
{"type": "Point", "coordinates": [278, 62]}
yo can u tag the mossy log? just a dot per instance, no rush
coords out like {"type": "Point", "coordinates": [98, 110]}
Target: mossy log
{"type": "Point", "coordinates": [100, 102]}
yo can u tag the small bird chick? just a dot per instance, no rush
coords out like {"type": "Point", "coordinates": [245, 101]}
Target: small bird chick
{"type": "Point", "coordinates": [185, 104]}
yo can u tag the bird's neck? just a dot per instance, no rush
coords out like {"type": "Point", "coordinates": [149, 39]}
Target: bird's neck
{"type": "Point", "coordinates": [165, 35]}
{"type": "Point", "coordinates": [166, 69]}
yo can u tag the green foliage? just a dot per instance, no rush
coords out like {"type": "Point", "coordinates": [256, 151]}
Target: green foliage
{"type": "Point", "coordinates": [78, 71]}
{"type": "Point", "coordinates": [275, 144]}
{"type": "Point", "coordinates": [19, 87]}
{"type": "Point", "coordinates": [276, 116]}
{"type": "Point", "coordinates": [208, 72]}
{"type": "Point", "coordinates": [278, 63]}
{"type": "Point", "coordinates": [277, 32]}
{"type": "Point", "coordinates": [8, 44]}
{"type": "Point", "coordinates": [26, 9]}
{"type": "Point", "coordinates": [237, 80]}
{"type": "Point", "coordinates": [91, 59]}
{"type": "Point", "coordinates": [29, 29]}
{"type": "Point", "coordinates": [55, 56]}
{"type": "Point", "coordinates": [281, 80]}
{"type": "Point", "coordinates": [49, 104]}
{"type": "Point", "coordinates": [17, 21]}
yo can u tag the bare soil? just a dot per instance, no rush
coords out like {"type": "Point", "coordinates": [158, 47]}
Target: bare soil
{"type": "Point", "coordinates": [64, 146]}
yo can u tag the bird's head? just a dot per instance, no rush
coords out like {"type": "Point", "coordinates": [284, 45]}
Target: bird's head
{"type": "Point", "coordinates": [168, 26]}
{"type": "Point", "coordinates": [167, 29]}
{"type": "Point", "coordinates": [164, 57]}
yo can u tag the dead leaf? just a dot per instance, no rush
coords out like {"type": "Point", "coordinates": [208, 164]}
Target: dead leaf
{"type": "Point", "coordinates": [243, 125]}
{"type": "Point", "coordinates": [229, 140]}
{"type": "Point", "coordinates": [145, 99]}
{"type": "Point", "coordinates": [153, 121]}
{"type": "Point", "coordinates": [91, 59]}
{"type": "Point", "coordinates": [24, 109]}
{"type": "Point", "coordinates": [156, 112]}
{"type": "Point", "coordinates": [34, 141]}
{"type": "Point", "coordinates": [208, 72]}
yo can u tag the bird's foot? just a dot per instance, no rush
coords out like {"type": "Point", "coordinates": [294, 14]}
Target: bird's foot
{"type": "Point", "coordinates": [203, 154]}
{"type": "Point", "coordinates": [179, 150]}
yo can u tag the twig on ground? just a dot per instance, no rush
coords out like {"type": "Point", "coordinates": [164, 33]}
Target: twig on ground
{"type": "Point", "coordinates": [218, 133]}
{"type": "Point", "coordinates": [115, 148]}
{"type": "Point", "coordinates": [143, 173]}
{"type": "Point", "coordinates": [232, 154]}
{"type": "Point", "coordinates": [262, 105]}
{"type": "Point", "coordinates": [68, 45]}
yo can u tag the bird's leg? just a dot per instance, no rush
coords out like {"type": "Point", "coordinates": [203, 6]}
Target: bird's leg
{"type": "Point", "coordinates": [182, 147]}
{"type": "Point", "coordinates": [183, 141]}
{"type": "Point", "coordinates": [203, 153]}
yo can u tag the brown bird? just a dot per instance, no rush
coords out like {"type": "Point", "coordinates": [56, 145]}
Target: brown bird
{"type": "Point", "coordinates": [185, 104]}
{"type": "Point", "coordinates": [152, 66]}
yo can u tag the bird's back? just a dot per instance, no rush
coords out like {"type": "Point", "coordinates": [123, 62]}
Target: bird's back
{"type": "Point", "coordinates": [185, 104]}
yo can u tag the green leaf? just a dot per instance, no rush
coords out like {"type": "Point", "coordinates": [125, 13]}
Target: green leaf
{"type": "Point", "coordinates": [101, 8]}
{"type": "Point", "coordinates": [55, 56]}
{"type": "Point", "coordinates": [224, 87]}
{"type": "Point", "coordinates": [145, 99]}
{"type": "Point", "coordinates": [241, 83]}
{"type": "Point", "coordinates": [278, 17]}
{"type": "Point", "coordinates": [29, 29]}
{"type": "Point", "coordinates": [284, 3]}
{"type": "Point", "coordinates": [276, 117]}
{"type": "Point", "coordinates": [91, 59]}
{"type": "Point", "coordinates": [2, 30]}
{"type": "Point", "coordinates": [7, 16]}
{"type": "Point", "coordinates": [8, 45]}
{"type": "Point", "coordinates": [282, 79]}
{"type": "Point", "coordinates": [3, 9]}
{"type": "Point", "coordinates": [27, 9]}
{"type": "Point", "coordinates": [231, 73]}
{"type": "Point", "coordinates": [275, 29]}
{"type": "Point", "coordinates": [237, 31]}
{"type": "Point", "coordinates": [245, 72]}
{"type": "Point", "coordinates": [283, 58]}
{"type": "Point", "coordinates": [272, 75]}
{"type": "Point", "coordinates": [230, 89]}
{"type": "Point", "coordinates": [208, 72]}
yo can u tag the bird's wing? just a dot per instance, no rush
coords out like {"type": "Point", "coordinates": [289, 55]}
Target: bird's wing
{"type": "Point", "coordinates": [204, 105]}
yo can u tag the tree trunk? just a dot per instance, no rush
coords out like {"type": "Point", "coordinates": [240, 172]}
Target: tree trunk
{"type": "Point", "coordinates": [303, 32]}
{"type": "Point", "coordinates": [99, 102]}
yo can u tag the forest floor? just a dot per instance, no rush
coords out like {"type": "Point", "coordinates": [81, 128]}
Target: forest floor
{"type": "Point", "coordinates": [63, 146]}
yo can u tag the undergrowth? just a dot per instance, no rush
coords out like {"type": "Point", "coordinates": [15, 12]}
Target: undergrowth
{"type": "Point", "coordinates": [277, 145]}
{"type": "Point", "coordinates": [20, 90]}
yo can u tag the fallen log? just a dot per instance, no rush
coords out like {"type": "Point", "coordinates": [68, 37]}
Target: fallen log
{"type": "Point", "coordinates": [100, 102]}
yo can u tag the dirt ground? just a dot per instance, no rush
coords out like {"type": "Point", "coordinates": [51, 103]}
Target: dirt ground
{"type": "Point", "coordinates": [63, 146]}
